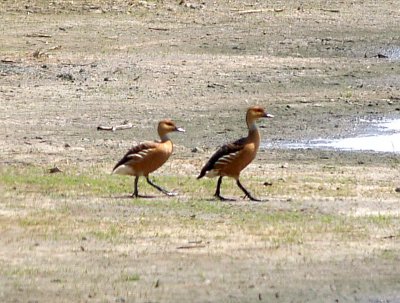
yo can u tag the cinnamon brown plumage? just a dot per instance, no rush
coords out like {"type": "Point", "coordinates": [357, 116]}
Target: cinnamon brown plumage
{"type": "Point", "coordinates": [230, 159]}
{"type": "Point", "coordinates": [143, 159]}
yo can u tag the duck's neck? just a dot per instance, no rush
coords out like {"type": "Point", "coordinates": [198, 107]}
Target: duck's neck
{"type": "Point", "coordinates": [254, 135]}
{"type": "Point", "coordinates": [164, 137]}
{"type": "Point", "coordinates": [252, 126]}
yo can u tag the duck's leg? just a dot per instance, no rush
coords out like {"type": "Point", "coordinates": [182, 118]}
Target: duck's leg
{"type": "Point", "coordinates": [246, 192]}
{"type": "Point", "coordinates": [136, 193]}
{"type": "Point", "coordinates": [218, 191]}
{"type": "Point", "coordinates": [164, 191]}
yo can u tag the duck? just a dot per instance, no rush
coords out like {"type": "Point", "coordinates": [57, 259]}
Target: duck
{"type": "Point", "coordinates": [148, 156]}
{"type": "Point", "coordinates": [230, 159]}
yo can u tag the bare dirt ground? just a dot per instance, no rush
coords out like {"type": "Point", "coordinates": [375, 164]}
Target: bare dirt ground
{"type": "Point", "coordinates": [330, 229]}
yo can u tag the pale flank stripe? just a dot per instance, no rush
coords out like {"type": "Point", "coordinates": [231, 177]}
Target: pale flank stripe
{"type": "Point", "coordinates": [132, 156]}
{"type": "Point", "coordinates": [124, 170]}
{"type": "Point", "coordinates": [212, 173]}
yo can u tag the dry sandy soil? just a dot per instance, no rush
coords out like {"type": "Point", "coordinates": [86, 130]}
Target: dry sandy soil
{"type": "Point", "coordinates": [329, 230]}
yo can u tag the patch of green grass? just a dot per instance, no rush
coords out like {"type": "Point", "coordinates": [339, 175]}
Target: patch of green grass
{"type": "Point", "coordinates": [39, 180]}
{"type": "Point", "coordinates": [390, 254]}
{"type": "Point", "coordinates": [36, 221]}
{"type": "Point", "coordinates": [93, 182]}
{"type": "Point", "coordinates": [119, 219]}
{"type": "Point", "coordinates": [380, 220]}
{"type": "Point", "coordinates": [46, 224]}
{"type": "Point", "coordinates": [347, 94]}
{"type": "Point", "coordinates": [20, 272]}
{"type": "Point", "coordinates": [131, 277]}
{"type": "Point", "coordinates": [109, 232]}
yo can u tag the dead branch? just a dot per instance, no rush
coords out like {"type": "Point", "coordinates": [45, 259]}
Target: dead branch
{"type": "Point", "coordinates": [330, 10]}
{"type": "Point", "coordinates": [390, 237]}
{"type": "Point", "coordinates": [191, 246]}
{"type": "Point", "coordinates": [38, 35]}
{"type": "Point", "coordinates": [7, 61]}
{"type": "Point", "coordinates": [263, 10]}
{"type": "Point", "coordinates": [114, 128]}
{"type": "Point", "coordinates": [159, 29]}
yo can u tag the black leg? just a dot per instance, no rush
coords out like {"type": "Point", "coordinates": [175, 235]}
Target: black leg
{"type": "Point", "coordinates": [160, 188]}
{"type": "Point", "coordinates": [136, 193]}
{"type": "Point", "coordinates": [218, 191]}
{"type": "Point", "coordinates": [246, 192]}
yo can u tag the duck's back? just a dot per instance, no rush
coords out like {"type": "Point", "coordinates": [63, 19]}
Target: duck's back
{"type": "Point", "coordinates": [144, 158]}
{"type": "Point", "coordinates": [232, 158]}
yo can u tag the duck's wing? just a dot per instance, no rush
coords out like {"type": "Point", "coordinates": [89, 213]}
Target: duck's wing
{"type": "Point", "coordinates": [223, 156]}
{"type": "Point", "coordinates": [137, 153]}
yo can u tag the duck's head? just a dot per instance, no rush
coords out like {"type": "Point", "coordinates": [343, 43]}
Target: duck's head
{"type": "Point", "coordinates": [256, 112]}
{"type": "Point", "coordinates": [167, 126]}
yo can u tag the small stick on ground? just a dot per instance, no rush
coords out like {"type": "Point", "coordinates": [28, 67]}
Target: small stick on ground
{"type": "Point", "coordinates": [38, 35]}
{"type": "Point", "coordinates": [191, 246]}
{"type": "Point", "coordinates": [159, 29]}
{"type": "Point", "coordinates": [263, 10]}
{"type": "Point", "coordinates": [330, 10]}
{"type": "Point", "coordinates": [114, 128]}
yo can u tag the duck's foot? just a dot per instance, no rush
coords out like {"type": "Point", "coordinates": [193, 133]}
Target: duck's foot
{"type": "Point", "coordinates": [219, 197]}
{"type": "Point", "coordinates": [251, 198]}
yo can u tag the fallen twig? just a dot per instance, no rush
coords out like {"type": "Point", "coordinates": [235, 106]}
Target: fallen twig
{"type": "Point", "coordinates": [213, 85]}
{"type": "Point", "coordinates": [159, 29]}
{"type": "Point", "coordinates": [7, 61]}
{"type": "Point", "coordinates": [330, 10]}
{"type": "Point", "coordinates": [390, 237]}
{"type": "Point", "coordinates": [38, 35]}
{"type": "Point", "coordinates": [114, 128]}
{"type": "Point", "coordinates": [191, 246]}
{"type": "Point", "coordinates": [262, 10]}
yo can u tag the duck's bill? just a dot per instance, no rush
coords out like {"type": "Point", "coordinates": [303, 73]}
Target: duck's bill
{"type": "Point", "coordinates": [180, 129]}
{"type": "Point", "coordinates": [268, 116]}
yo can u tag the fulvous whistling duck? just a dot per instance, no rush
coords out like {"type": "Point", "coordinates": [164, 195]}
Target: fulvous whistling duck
{"type": "Point", "coordinates": [148, 156]}
{"type": "Point", "coordinates": [230, 159]}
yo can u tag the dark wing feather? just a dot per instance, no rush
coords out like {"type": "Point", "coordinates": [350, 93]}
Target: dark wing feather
{"type": "Point", "coordinates": [134, 150]}
{"type": "Point", "coordinates": [222, 151]}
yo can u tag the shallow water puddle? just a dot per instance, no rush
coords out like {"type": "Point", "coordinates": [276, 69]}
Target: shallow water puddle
{"type": "Point", "coordinates": [383, 137]}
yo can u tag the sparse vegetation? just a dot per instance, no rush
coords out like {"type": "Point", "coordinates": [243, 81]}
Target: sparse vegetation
{"type": "Point", "coordinates": [90, 212]}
